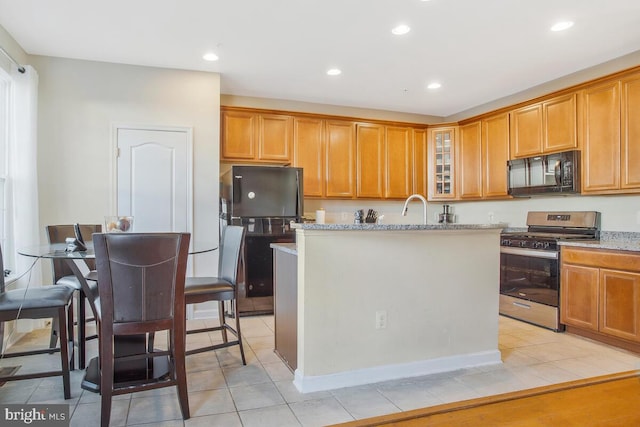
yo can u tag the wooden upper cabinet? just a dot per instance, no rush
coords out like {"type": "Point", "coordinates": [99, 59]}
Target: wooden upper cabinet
{"type": "Point", "coordinates": [239, 135]}
{"type": "Point", "coordinates": [546, 127]}
{"type": "Point", "coordinates": [370, 155]}
{"type": "Point", "coordinates": [340, 159]}
{"type": "Point", "coordinates": [275, 137]}
{"type": "Point", "coordinates": [441, 176]}
{"type": "Point", "coordinates": [309, 153]}
{"type": "Point", "coordinates": [256, 137]}
{"type": "Point", "coordinates": [601, 138]}
{"type": "Point", "coordinates": [526, 131]}
{"type": "Point", "coordinates": [398, 162]}
{"type": "Point", "coordinates": [495, 150]}
{"type": "Point", "coordinates": [560, 123]}
{"type": "Point", "coordinates": [469, 165]}
{"type": "Point", "coordinates": [419, 162]}
{"type": "Point", "coordinates": [630, 153]}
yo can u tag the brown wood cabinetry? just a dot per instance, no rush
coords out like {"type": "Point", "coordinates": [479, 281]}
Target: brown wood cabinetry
{"type": "Point", "coordinates": [309, 153]}
{"type": "Point", "coordinates": [419, 161]}
{"type": "Point", "coordinates": [560, 123]}
{"type": "Point", "coordinates": [469, 162]}
{"type": "Point", "coordinates": [340, 159]}
{"type": "Point", "coordinates": [526, 131]}
{"type": "Point", "coordinates": [600, 294]}
{"type": "Point", "coordinates": [601, 144]}
{"type": "Point", "coordinates": [611, 148]}
{"type": "Point", "coordinates": [256, 137]}
{"type": "Point", "coordinates": [441, 176]}
{"type": "Point", "coordinates": [495, 150]}
{"type": "Point", "coordinates": [483, 152]}
{"type": "Point", "coordinates": [546, 127]}
{"type": "Point", "coordinates": [370, 160]}
{"type": "Point", "coordinates": [630, 148]}
{"type": "Point", "coordinates": [399, 162]}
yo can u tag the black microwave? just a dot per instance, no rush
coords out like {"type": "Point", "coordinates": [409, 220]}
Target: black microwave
{"type": "Point", "coordinates": [557, 173]}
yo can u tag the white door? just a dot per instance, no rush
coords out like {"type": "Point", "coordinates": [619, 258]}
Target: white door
{"type": "Point", "coordinates": [154, 178]}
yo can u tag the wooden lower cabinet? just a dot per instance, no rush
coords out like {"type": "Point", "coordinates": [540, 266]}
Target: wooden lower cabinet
{"type": "Point", "coordinates": [620, 304]}
{"type": "Point", "coordinates": [579, 299]}
{"type": "Point", "coordinates": [600, 295]}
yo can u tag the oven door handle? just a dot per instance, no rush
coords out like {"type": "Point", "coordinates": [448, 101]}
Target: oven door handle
{"type": "Point", "coordinates": [529, 252]}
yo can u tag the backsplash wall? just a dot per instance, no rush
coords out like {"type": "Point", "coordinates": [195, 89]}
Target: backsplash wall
{"type": "Point", "coordinates": [619, 213]}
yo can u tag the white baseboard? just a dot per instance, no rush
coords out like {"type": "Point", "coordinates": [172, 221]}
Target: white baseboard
{"type": "Point", "coordinates": [308, 384]}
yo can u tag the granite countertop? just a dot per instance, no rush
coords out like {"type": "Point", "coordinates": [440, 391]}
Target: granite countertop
{"type": "Point", "coordinates": [397, 227]}
{"type": "Point", "coordinates": [614, 240]}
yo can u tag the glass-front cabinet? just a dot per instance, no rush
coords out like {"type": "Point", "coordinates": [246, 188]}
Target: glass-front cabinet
{"type": "Point", "coordinates": [441, 162]}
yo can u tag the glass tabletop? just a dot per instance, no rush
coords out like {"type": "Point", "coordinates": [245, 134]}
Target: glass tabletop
{"type": "Point", "coordinates": [59, 250]}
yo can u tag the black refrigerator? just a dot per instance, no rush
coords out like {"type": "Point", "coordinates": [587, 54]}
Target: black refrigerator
{"type": "Point", "coordinates": [265, 200]}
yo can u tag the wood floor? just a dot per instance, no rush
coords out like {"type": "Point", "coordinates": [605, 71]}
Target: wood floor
{"type": "Point", "coordinates": [611, 400]}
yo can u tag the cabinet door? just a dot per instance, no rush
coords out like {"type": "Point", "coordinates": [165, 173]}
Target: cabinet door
{"type": "Point", "coordinates": [469, 164]}
{"type": "Point", "coordinates": [495, 149]}
{"type": "Point", "coordinates": [441, 167]}
{"type": "Point", "coordinates": [370, 160]}
{"type": "Point", "coordinates": [309, 154]}
{"type": "Point", "coordinates": [526, 131]}
{"type": "Point", "coordinates": [340, 159]}
{"type": "Point", "coordinates": [275, 137]}
{"type": "Point", "coordinates": [419, 162]}
{"type": "Point", "coordinates": [630, 155]}
{"type": "Point", "coordinates": [579, 296]}
{"type": "Point", "coordinates": [601, 144]}
{"type": "Point", "coordinates": [620, 304]}
{"type": "Point", "coordinates": [239, 135]}
{"type": "Point", "coordinates": [398, 162]}
{"type": "Point", "coordinates": [560, 123]}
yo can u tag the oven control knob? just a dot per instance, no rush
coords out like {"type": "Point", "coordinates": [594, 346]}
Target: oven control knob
{"type": "Point", "coordinates": [505, 242]}
{"type": "Point", "coordinates": [523, 244]}
{"type": "Point", "coordinates": [538, 245]}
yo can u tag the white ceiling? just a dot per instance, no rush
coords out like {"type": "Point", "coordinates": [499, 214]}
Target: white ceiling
{"type": "Point", "coordinates": [480, 50]}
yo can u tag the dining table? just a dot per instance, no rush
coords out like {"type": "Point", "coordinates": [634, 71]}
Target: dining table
{"type": "Point", "coordinates": [125, 369]}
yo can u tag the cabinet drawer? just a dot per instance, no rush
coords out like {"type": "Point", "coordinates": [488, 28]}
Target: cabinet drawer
{"type": "Point", "coordinates": [626, 261]}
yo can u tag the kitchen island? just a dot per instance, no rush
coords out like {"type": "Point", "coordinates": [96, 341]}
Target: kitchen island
{"type": "Point", "coordinates": [380, 302]}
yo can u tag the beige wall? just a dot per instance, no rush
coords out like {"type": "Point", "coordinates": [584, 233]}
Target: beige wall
{"type": "Point", "coordinates": [79, 101]}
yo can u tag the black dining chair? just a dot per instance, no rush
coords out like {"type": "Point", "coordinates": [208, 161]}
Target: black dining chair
{"type": "Point", "coordinates": [141, 293]}
{"type": "Point", "coordinates": [62, 275]}
{"type": "Point", "coordinates": [221, 288]}
{"type": "Point", "coordinates": [39, 302]}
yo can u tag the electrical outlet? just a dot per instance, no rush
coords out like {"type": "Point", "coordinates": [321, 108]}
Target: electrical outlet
{"type": "Point", "coordinates": [381, 319]}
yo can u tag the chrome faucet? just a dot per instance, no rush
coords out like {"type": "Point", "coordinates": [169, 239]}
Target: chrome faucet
{"type": "Point", "coordinates": [424, 204]}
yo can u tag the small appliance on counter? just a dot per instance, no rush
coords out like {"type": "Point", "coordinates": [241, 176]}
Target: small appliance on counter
{"type": "Point", "coordinates": [446, 217]}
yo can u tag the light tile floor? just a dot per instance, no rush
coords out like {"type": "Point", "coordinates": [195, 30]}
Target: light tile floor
{"type": "Point", "coordinates": [222, 392]}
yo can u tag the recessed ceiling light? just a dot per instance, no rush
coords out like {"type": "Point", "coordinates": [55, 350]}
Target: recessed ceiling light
{"type": "Point", "coordinates": [334, 72]}
{"type": "Point", "coordinates": [401, 29]}
{"type": "Point", "coordinates": [561, 26]}
{"type": "Point", "coordinates": [210, 56]}
{"type": "Point", "coordinates": [434, 85]}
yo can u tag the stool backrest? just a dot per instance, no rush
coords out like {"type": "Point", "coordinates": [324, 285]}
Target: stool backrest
{"type": "Point", "coordinates": [141, 277]}
{"type": "Point", "coordinates": [230, 251]}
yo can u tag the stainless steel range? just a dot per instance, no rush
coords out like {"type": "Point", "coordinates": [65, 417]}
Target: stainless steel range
{"type": "Point", "coordinates": [530, 264]}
